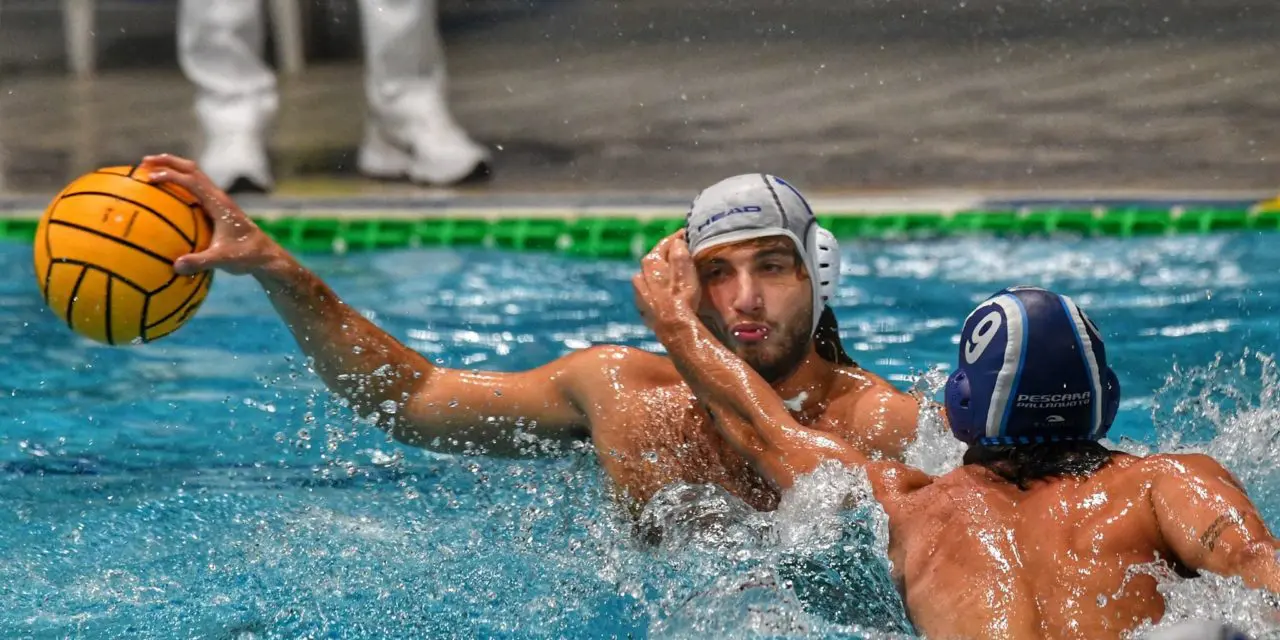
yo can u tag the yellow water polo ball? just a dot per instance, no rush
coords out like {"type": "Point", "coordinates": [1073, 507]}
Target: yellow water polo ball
{"type": "Point", "coordinates": [104, 253]}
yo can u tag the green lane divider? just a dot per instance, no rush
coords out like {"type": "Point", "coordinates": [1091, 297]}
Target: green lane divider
{"type": "Point", "coordinates": [607, 237]}
{"type": "Point", "coordinates": [18, 228]}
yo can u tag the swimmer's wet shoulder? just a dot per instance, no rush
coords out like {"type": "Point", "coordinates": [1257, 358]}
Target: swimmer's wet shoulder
{"type": "Point", "coordinates": [650, 430]}
{"type": "Point", "coordinates": [880, 418]}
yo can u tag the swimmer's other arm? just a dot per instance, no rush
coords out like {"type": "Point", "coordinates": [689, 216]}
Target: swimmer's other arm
{"type": "Point", "coordinates": [417, 402]}
{"type": "Point", "coordinates": [748, 413]}
{"type": "Point", "coordinates": [1210, 523]}
{"type": "Point", "coordinates": [434, 407]}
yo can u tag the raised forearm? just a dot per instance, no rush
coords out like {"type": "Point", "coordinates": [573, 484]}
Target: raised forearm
{"type": "Point", "coordinates": [747, 410]}
{"type": "Point", "coordinates": [354, 357]}
{"type": "Point", "coordinates": [718, 377]}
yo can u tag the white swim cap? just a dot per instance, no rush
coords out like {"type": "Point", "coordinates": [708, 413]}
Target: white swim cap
{"type": "Point", "coordinates": [758, 205]}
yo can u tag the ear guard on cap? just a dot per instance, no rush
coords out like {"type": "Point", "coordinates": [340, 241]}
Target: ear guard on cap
{"type": "Point", "coordinates": [1111, 399]}
{"type": "Point", "coordinates": [826, 255]}
{"type": "Point", "coordinates": [959, 409]}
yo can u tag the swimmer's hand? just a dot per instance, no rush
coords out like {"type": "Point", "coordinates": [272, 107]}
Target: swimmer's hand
{"type": "Point", "coordinates": [667, 288]}
{"type": "Point", "coordinates": [238, 245]}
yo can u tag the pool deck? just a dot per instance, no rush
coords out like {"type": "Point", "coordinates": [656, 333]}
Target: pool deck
{"type": "Point", "coordinates": [619, 108]}
{"type": "Point", "coordinates": [644, 208]}
{"type": "Point", "coordinates": [649, 206]}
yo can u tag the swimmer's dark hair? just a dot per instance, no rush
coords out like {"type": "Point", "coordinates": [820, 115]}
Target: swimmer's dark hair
{"type": "Point", "coordinates": [826, 340]}
{"type": "Point", "coordinates": [1023, 463]}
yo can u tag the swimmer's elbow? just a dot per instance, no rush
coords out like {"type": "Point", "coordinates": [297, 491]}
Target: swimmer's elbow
{"type": "Point", "coordinates": [1257, 565]}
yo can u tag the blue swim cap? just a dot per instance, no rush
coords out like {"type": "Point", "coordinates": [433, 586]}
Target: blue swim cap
{"type": "Point", "coordinates": [1032, 368]}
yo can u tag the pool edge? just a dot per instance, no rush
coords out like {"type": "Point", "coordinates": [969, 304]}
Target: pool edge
{"type": "Point", "coordinates": [619, 225]}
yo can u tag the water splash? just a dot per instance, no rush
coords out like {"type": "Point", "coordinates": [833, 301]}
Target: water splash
{"type": "Point", "coordinates": [815, 567]}
{"type": "Point", "coordinates": [935, 451]}
{"type": "Point", "coordinates": [1215, 598]}
{"type": "Point", "coordinates": [1229, 410]}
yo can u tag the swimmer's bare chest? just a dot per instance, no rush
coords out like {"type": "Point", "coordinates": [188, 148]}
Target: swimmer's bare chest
{"type": "Point", "coordinates": [658, 435]}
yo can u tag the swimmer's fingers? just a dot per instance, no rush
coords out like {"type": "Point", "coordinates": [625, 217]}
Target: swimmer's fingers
{"type": "Point", "coordinates": [216, 203]}
{"type": "Point", "coordinates": [212, 200]}
{"type": "Point", "coordinates": [189, 181]}
{"type": "Point", "coordinates": [654, 255]}
{"type": "Point", "coordinates": [640, 285]}
{"type": "Point", "coordinates": [185, 173]}
{"type": "Point", "coordinates": [671, 243]}
{"type": "Point", "coordinates": [661, 250]}
{"type": "Point", "coordinates": [238, 246]}
{"type": "Point", "coordinates": [654, 267]}
{"type": "Point", "coordinates": [194, 263]}
{"type": "Point", "coordinates": [170, 161]}
{"type": "Point", "coordinates": [640, 292]}
{"type": "Point", "coordinates": [678, 256]}
{"type": "Point", "coordinates": [684, 274]}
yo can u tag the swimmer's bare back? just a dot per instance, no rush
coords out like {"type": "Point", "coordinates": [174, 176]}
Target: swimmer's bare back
{"type": "Point", "coordinates": [980, 558]}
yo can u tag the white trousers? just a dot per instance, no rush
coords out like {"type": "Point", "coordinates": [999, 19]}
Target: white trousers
{"type": "Point", "coordinates": [411, 131]}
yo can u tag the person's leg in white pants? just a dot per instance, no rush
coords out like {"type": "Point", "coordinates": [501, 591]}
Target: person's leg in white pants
{"type": "Point", "coordinates": [411, 131]}
{"type": "Point", "coordinates": [220, 49]}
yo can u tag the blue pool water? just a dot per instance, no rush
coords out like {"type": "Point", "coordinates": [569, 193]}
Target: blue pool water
{"type": "Point", "coordinates": [206, 486]}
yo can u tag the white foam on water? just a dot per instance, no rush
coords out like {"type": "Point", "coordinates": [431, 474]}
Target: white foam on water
{"type": "Point", "coordinates": [1228, 409]}
{"type": "Point", "coordinates": [737, 565]}
{"type": "Point", "coordinates": [935, 451]}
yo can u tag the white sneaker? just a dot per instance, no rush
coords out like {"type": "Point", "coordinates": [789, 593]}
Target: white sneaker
{"type": "Point", "coordinates": [440, 157]}
{"type": "Point", "coordinates": [239, 161]}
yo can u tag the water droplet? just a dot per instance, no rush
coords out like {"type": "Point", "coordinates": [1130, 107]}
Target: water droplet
{"type": "Point", "coordinates": [388, 406]}
{"type": "Point", "coordinates": [261, 406]}
{"type": "Point", "coordinates": [651, 456]}
{"type": "Point", "coordinates": [357, 349]}
{"type": "Point", "coordinates": [453, 404]}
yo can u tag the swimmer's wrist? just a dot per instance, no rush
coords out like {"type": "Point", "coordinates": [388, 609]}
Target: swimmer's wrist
{"type": "Point", "coordinates": [680, 324]}
{"type": "Point", "coordinates": [277, 267]}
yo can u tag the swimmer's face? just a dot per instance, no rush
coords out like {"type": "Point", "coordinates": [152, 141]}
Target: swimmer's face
{"type": "Point", "coordinates": [756, 298]}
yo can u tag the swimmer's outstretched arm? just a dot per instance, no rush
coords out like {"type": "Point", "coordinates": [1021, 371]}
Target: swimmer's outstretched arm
{"type": "Point", "coordinates": [1210, 523]}
{"type": "Point", "coordinates": [415, 401]}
